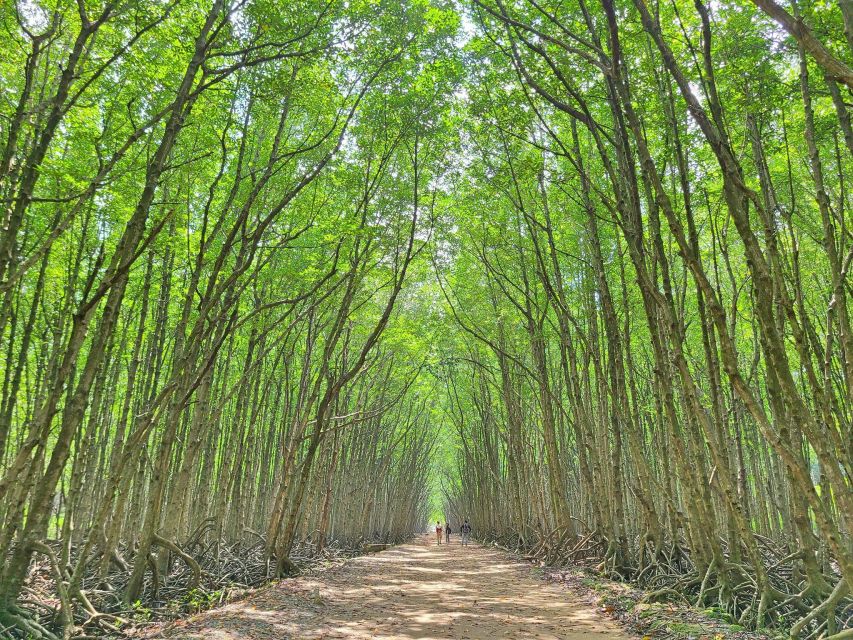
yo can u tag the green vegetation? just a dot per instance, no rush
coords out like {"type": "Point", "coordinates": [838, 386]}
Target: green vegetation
{"type": "Point", "coordinates": [276, 277]}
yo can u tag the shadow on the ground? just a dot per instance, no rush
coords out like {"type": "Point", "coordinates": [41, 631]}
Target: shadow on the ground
{"type": "Point", "coordinates": [416, 591]}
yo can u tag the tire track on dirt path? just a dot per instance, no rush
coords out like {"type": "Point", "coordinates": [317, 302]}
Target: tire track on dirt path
{"type": "Point", "coordinates": [414, 591]}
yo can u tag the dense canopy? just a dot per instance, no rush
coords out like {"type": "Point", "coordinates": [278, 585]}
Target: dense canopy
{"type": "Point", "coordinates": [282, 275]}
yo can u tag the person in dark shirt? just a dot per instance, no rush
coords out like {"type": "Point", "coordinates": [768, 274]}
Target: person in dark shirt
{"type": "Point", "coordinates": [447, 531]}
{"type": "Point", "coordinates": [466, 533]}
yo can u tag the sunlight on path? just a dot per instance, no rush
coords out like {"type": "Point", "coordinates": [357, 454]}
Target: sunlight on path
{"type": "Point", "coordinates": [419, 590]}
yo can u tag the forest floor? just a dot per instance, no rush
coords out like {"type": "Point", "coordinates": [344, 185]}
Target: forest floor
{"type": "Point", "coordinates": [418, 590]}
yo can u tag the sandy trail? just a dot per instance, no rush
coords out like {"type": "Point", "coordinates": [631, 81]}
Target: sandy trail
{"type": "Point", "coordinates": [419, 590]}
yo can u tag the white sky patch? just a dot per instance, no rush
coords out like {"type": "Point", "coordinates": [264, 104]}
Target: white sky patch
{"type": "Point", "coordinates": [33, 16]}
{"type": "Point", "coordinates": [467, 29]}
{"type": "Point", "coordinates": [240, 22]}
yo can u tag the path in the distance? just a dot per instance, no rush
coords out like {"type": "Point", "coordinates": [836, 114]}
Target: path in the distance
{"type": "Point", "coordinates": [419, 590]}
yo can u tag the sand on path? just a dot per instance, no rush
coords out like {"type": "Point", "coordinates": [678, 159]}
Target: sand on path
{"type": "Point", "coordinates": [418, 590]}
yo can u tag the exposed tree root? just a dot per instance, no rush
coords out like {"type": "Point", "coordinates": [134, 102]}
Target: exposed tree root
{"type": "Point", "coordinates": [211, 573]}
{"type": "Point", "coordinates": [728, 586]}
{"type": "Point", "coordinates": [840, 591]}
{"type": "Point", "coordinates": [23, 621]}
{"type": "Point", "coordinates": [61, 589]}
{"type": "Point", "coordinates": [188, 559]}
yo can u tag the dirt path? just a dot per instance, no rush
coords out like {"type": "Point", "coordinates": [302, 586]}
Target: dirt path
{"type": "Point", "coordinates": [418, 590]}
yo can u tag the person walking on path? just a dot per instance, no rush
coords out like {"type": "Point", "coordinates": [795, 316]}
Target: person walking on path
{"type": "Point", "coordinates": [466, 532]}
{"type": "Point", "coordinates": [447, 531]}
{"type": "Point", "coordinates": [438, 531]}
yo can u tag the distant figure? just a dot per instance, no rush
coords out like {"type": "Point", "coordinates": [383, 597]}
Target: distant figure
{"type": "Point", "coordinates": [447, 531]}
{"type": "Point", "coordinates": [438, 531]}
{"type": "Point", "coordinates": [466, 533]}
